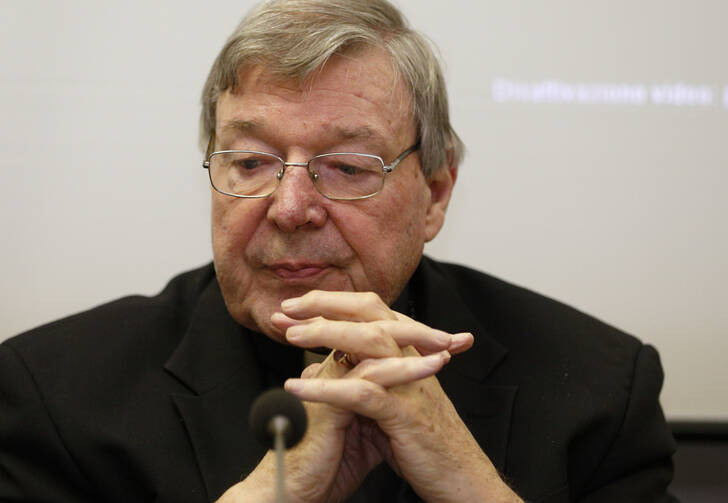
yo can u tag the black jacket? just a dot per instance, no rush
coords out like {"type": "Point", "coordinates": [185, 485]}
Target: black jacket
{"type": "Point", "coordinates": [146, 399]}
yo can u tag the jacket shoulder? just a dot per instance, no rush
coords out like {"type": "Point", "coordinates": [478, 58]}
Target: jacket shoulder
{"type": "Point", "coordinates": [518, 313]}
{"type": "Point", "coordinates": [117, 325]}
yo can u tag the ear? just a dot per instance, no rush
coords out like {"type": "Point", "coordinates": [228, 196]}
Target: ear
{"type": "Point", "coordinates": [440, 184]}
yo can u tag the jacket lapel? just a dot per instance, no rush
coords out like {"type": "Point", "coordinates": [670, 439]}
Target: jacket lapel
{"type": "Point", "coordinates": [215, 362]}
{"type": "Point", "coordinates": [485, 407]}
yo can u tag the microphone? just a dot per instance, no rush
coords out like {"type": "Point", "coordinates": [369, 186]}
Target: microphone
{"type": "Point", "coordinates": [278, 421]}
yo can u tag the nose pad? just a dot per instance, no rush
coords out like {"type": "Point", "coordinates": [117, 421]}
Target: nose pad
{"type": "Point", "coordinates": [311, 174]}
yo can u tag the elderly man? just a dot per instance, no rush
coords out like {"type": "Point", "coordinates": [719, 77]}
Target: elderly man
{"type": "Point", "coordinates": [332, 161]}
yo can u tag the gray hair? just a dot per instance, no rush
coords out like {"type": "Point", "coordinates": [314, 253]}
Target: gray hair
{"type": "Point", "coordinates": [294, 38]}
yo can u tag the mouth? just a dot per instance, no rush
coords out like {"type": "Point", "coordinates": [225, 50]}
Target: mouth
{"type": "Point", "coordinates": [294, 270]}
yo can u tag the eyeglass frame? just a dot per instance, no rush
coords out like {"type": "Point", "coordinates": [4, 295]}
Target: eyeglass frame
{"type": "Point", "coordinates": [386, 169]}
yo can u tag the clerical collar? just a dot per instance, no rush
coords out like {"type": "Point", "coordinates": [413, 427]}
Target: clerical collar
{"type": "Point", "coordinates": [278, 361]}
{"type": "Point", "coordinates": [405, 303]}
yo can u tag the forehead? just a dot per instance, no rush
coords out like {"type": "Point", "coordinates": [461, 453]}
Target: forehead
{"type": "Point", "coordinates": [354, 95]}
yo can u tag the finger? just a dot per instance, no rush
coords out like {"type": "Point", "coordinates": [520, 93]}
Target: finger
{"type": "Point", "coordinates": [377, 339]}
{"type": "Point", "coordinates": [427, 340]}
{"type": "Point", "coordinates": [435, 341]}
{"type": "Point", "coordinates": [388, 372]}
{"type": "Point", "coordinates": [365, 340]}
{"type": "Point", "coordinates": [353, 306]}
{"type": "Point", "coordinates": [460, 343]}
{"type": "Point", "coordinates": [384, 372]}
{"type": "Point", "coordinates": [283, 322]}
{"type": "Point", "coordinates": [360, 396]}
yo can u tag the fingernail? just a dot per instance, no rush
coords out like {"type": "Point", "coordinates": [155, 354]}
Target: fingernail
{"type": "Point", "coordinates": [289, 303]}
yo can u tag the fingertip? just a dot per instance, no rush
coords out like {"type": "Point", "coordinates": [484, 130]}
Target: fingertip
{"type": "Point", "coordinates": [280, 318]}
{"type": "Point", "coordinates": [461, 342]}
{"type": "Point", "coordinates": [293, 385]}
{"type": "Point", "coordinates": [436, 360]}
{"type": "Point", "coordinates": [289, 305]}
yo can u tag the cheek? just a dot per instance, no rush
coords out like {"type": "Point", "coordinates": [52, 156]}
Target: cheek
{"type": "Point", "coordinates": [410, 207]}
{"type": "Point", "coordinates": [234, 221]}
{"type": "Point", "coordinates": [390, 246]}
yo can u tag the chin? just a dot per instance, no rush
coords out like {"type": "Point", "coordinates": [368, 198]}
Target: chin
{"type": "Point", "coordinates": [256, 315]}
{"type": "Point", "coordinates": [254, 307]}
{"type": "Point", "coordinates": [265, 327]}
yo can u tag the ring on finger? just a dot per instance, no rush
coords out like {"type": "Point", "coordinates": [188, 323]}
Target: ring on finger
{"type": "Point", "coordinates": [343, 358]}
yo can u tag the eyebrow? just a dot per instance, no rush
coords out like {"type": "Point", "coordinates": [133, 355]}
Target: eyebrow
{"type": "Point", "coordinates": [358, 133]}
{"type": "Point", "coordinates": [338, 133]}
{"type": "Point", "coordinates": [241, 126]}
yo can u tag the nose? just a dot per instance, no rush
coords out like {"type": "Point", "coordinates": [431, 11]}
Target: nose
{"type": "Point", "coordinates": [296, 202]}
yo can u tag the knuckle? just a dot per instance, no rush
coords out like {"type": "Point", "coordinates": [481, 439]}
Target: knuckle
{"type": "Point", "coordinates": [311, 297]}
{"type": "Point", "coordinates": [373, 399]}
{"type": "Point", "coordinates": [376, 333]}
{"type": "Point", "coordinates": [315, 328]}
{"type": "Point", "coordinates": [377, 340]}
{"type": "Point", "coordinates": [398, 333]}
{"type": "Point", "coordinates": [368, 394]}
{"type": "Point", "coordinates": [371, 299]}
{"type": "Point", "coordinates": [364, 368]}
{"type": "Point", "coordinates": [310, 332]}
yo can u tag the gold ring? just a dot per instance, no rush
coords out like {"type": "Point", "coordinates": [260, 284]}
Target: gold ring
{"type": "Point", "coordinates": [343, 358]}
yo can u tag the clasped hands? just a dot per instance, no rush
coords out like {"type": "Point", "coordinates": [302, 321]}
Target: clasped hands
{"type": "Point", "coordinates": [388, 408]}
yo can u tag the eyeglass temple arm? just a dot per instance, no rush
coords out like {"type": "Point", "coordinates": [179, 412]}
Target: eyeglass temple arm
{"type": "Point", "coordinates": [210, 146]}
{"type": "Point", "coordinates": [393, 164]}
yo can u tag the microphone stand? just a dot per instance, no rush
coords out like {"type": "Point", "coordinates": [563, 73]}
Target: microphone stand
{"type": "Point", "coordinates": [279, 425]}
{"type": "Point", "coordinates": [278, 420]}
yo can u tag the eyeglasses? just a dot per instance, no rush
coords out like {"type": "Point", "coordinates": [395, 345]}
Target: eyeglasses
{"type": "Point", "coordinates": [339, 175]}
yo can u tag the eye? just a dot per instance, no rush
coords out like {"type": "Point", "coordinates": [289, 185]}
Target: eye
{"type": "Point", "coordinates": [248, 164]}
{"type": "Point", "coordinates": [347, 169]}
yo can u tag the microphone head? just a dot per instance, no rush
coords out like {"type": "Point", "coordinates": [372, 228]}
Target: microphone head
{"type": "Point", "coordinates": [278, 402]}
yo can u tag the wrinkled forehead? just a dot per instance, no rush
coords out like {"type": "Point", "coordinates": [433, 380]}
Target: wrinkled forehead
{"type": "Point", "coordinates": [360, 92]}
{"type": "Point", "coordinates": [367, 71]}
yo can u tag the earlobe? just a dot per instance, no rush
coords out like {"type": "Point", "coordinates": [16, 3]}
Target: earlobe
{"type": "Point", "coordinates": [440, 185]}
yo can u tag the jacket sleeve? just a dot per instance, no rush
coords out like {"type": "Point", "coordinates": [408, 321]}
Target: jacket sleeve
{"type": "Point", "coordinates": [35, 465]}
{"type": "Point", "coordinates": [638, 465]}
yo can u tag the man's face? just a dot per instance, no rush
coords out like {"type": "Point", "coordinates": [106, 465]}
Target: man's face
{"type": "Point", "coordinates": [295, 240]}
